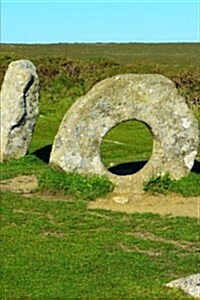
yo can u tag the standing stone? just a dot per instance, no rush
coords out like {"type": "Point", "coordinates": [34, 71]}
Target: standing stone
{"type": "Point", "coordinates": [151, 99]}
{"type": "Point", "coordinates": [19, 108]}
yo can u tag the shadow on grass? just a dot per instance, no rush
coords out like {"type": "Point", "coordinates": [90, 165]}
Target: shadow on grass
{"type": "Point", "coordinates": [121, 169]}
{"type": "Point", "coordinates": [44, 153]}
{"type": "Point", "coordinates": [128, 168]}
{"type": "Point", "coordinates": [196, 167]}
{"type": "Point", "coordinates": [133, 167]}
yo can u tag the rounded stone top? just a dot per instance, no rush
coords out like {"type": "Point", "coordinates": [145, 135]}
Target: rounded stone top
{"type": "Point", "coordinates": [151, 99]}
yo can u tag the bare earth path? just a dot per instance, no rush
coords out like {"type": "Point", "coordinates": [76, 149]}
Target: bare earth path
{"type": "Point", "coordinates": [172, 204]}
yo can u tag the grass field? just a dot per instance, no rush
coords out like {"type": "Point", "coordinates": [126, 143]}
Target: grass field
{"type": "Point", "coordinates": [56, 248]}
{"type": "Point", "coordinates": [61, 250]}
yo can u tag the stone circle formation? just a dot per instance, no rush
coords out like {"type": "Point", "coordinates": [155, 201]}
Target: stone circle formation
{"type": "Point", "coordinates": [151, 99]}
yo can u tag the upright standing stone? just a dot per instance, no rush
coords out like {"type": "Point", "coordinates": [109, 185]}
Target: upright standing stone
{"type": "Point", "coordinates": [151, 99]}
{"type": "Point", "coordinates": [19, 108]}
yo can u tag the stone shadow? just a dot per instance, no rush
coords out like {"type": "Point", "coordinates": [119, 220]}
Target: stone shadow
{"type": "Point", "coordinates": [44, 153]}
{"type": "Point", "coordinates": [124, 169]}
{"type": "Point", "coordinates": [127, 168]}
{"type": "Point", "coordinates": [131, 168]}
{"type": "Point", "coordinates": [196, 167]}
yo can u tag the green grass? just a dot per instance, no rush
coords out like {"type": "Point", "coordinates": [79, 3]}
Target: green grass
{"type": "Point", "coordinates": [186, 186]}
{"type": "Point", "coordinates": [62, 250]}
{"type": "Point", "coordinates": [55, 181]}
{"type": "Point", "coordinates": [74, 185]}
{"type": "Point", "coordinates": [128, 141]}
{"type": "Point", "coordinates": [26, 165]}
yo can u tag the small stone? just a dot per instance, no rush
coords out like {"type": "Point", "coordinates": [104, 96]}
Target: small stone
{"type": "Point", "coordinates": [120, 200]}
{"type": "Point", "coordinates": [189, 284]}
{"type": "Point", "coordinates": [19, 108]}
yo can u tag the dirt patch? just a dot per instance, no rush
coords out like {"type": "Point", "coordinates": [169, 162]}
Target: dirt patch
{"type": "Point", "coordinates": [172, 204]}
{"type": "Point", "coordinates": [20, 184]}
{"type": "Point", "coordinates": [27, 185]}
{"type": "Point", "coordinates": [189, 246]}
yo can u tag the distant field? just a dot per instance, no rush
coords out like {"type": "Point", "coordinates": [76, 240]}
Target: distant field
{"type": "Point", "coordinates": [130, 53]}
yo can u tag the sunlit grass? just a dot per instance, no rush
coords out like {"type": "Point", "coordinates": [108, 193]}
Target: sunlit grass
{"type": "Point", "coordinates": [60, 249]}
{"type": "Point", "coordinates": [127, 142]}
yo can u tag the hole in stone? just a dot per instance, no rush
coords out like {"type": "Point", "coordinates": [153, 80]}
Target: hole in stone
{"type": "Point", "coordinates": [127, 147]}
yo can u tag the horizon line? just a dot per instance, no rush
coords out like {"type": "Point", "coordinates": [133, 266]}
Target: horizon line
{"type": "Point", "coordinates": [100, 42]}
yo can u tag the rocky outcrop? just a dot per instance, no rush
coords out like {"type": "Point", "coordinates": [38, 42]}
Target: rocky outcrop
{"type": "Point", "coordinates": [151, 99]}
{"type": "Point", "coordinates": [19, 108]}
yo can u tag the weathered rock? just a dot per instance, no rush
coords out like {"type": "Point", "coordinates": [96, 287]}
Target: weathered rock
{"type": "Point", "coordinates": [151, 99]}
{"type": "Point", "coordinates": [19, 108]}
{"type": "Point", "coordinates": [189, 284]}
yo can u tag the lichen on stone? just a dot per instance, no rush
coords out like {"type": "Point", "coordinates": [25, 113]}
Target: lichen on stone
{"type": "Point", "coordinates": [151, 99]}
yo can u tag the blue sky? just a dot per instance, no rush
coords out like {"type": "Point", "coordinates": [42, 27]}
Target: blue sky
{"type": "Point", "coordinates": [99, 21]}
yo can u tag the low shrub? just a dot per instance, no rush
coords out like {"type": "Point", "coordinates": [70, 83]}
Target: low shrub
{"type": "Point", "coordinates": [158, 184]}
{"type": "Point", "coordinates": [73, 184]}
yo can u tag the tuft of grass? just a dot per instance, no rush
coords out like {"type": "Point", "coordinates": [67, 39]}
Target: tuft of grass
{"type": "Point", "coordinates": [186, 186]}
{"type": "Point", "coordinates": [158, 184]}
{"type": "Point", "coordinates": [73, 184]}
